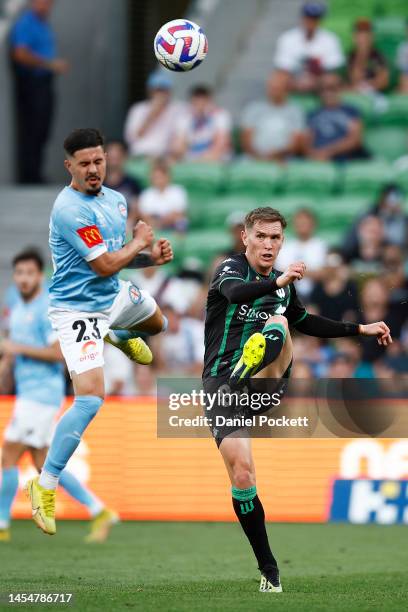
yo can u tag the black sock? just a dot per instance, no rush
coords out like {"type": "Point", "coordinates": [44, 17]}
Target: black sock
{"type": "Point", "coordinates": [275, 335]}
{"type": "Point", "coordinates": [251, 515]}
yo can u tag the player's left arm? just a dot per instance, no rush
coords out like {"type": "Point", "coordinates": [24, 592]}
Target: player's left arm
{"type": "Point", "coordinates": [322, 327]}
{"type": "Point", "coordinates": [51, 353]}
{"type": "Point", "coordinates": [160, 254]}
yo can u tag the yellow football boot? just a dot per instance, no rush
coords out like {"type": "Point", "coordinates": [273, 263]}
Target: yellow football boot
{"type": "Point", "coordinates": [101, 526]}
{"type": "Point", "coordinates": [135, 348]}
{"type": "Point", "coordinates": [252, 354]}
{"type": "Point", "coordinates": [42, 506]}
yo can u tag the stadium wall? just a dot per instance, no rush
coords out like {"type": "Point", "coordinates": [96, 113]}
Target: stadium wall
{"type": "Point", "coordinates": [146, 478]}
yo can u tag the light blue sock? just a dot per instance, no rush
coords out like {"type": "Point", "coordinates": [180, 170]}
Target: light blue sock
{"type": "Point", "coordinates": [79, 492]}
{"type": "Point", "coordinates": [119, 335]}
{"type": "Point", "coordinates": [128, 334]}
{"type": "Point", "coordinates": [8, 490]}
{"type": "Point", "coordinates": [68, 434]}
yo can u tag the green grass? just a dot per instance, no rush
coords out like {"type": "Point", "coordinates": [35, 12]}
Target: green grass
{"type": "Point", "coordinates": [205, 566]}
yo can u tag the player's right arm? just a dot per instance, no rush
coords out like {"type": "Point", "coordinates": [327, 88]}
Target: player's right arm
{"type": "Point", "coordinates": [232, 284]}
{"type": "Point", "coordinates": [79, 229]}
{"type": "Point", "coordinates": [110, 263]}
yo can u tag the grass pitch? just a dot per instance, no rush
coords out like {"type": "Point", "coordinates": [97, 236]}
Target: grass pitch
{"type": "Point", "coordinates": [208, 566]}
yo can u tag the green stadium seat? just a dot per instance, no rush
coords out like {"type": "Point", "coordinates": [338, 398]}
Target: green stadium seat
{"type": "Point", "coordinates": [139, 169]}
{"type": "Point", "coordinates": [307, 103]}
{"type": "Point", "coordinates": [395, 111]}
{"type": "Point", "coordinates": [339, 213]}
{"type": "Point", "coordinates": [205, 244]}
{"type": "Point", "coordinates": [289, 204]}
{"type": "Point", "coordinates": [387, 142]}
{"type": "Point", "coordinates": [366, 177]}
{"type": "Point", "coordinates": [216, 211]}
{"type": "Point", "coordinates": [310, 178]}
{"type": "Point", "coordinates": [363, 103]}
{"type": "Point", "coordinates": [401, 177]}
{"type": "Point", "coordinates": [390, 27]}
{"type": "Point", "coordinates": [199, 177]}
{"type": "Point", "coordinates": [254, 177]}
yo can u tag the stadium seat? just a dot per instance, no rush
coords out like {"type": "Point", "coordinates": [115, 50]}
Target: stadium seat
{"type": "Point", "coordinates": [363, 103]}
{"type": "Point", "coordinates": [205, 244]}
{"type": "Point", "coordinates": [387, 142]}
{"type": "Point", "coordinates": [307, 103]}
{"type": "Point", "coordinates": [310, 178]}
{"type": "Point", "coordinates": [199, 178]}
{"type": "Point", "coordinates": [401, 177]}
{"type": "Point", "coordinates": [139, 169]}
{"type": "Point", "coordinates": [254, 177]}
{"type": "Point", "coordinates": [289, 204]}
{"type": "Point", "coordinates": [366, 177]}
{"type": "Point", "coordinates": [337, 214]}
{"type": "Point", "coordinates": [394, 111]}
{"type": "Point", "coordinates": [216, 211]}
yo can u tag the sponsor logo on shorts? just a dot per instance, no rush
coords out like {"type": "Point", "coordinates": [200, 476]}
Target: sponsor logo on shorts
{"type": "Point", "coordinates": [90, 235]}
{"type": "Point", "coordinates": [88, 351]}
{"type": "Point", "coordinates": [135, 294]}
{"type": "Point", "coordinates": [122, 209]}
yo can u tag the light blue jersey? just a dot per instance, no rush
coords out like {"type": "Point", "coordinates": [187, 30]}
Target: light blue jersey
{"type": "Point", "coordinates": [39, 381]}
{"type": "Point", "coordinates": [82, 227]}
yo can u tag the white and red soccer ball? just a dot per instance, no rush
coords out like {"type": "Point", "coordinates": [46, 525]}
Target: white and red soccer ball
{"type": "Point", "coordinates": [180, 45]}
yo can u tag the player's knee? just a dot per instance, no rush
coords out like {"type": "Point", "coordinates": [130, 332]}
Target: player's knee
{"type": "Point", "coordinates": [243, 476]}
{"type": "Point", "coordinates": [278, 319]}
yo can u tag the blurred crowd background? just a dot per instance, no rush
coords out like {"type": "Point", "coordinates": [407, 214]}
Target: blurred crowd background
{"type": "Point", "coordinates": [307, 112]}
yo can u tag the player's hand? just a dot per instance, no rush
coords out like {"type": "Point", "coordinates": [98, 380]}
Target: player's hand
{"type": "Point", "coordinates": [162, 252]}
{"type": "Point", "coordinates": [9, 348]}
{"type": "Point", "coordinates": [379, 329]}
{"type": "Point", "coordinates": [294, 272]}
{"type": "Point", "coordinates": [143, 233]}
{"type": "Point", "coordinates": [59, 66]}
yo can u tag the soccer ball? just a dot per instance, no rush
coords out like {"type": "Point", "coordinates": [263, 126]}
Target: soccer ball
{"type": "Point", "coordinates": [180, 45]}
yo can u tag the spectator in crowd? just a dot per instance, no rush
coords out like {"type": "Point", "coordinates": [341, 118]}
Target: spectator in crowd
{"type": "Point", "coordinates": [402, 64]}
{"type": "Point", "coordinates": [185, 287]}
{"type": "Point", "coordinates": [164, 205]}
{"type": "Point", "coordinates": [272, 128]}
{"type": "Point", "coordinates": [375, 307]}
{"type": "Point", "coordinates": [306, 51]}
{"type": "Point", "coordinates": [395, 275]}
{"type": "Point", "coordinates": [181, 348]}
{"type": "Point", "coordinates": [204, 131]}
{"type": "Point", "coordinates": [366, 259]}
{"type": "Point", "coordinates": [341, 366]}
{"type": "Point", "coordinates": [150, 125]}
{"type": "Point", "coordinates": [35, 64]}
{"type": "Point", "coordinates": [334, 129]}
{"type": "Point", "coordinates": [389, 209]}
{"type": "Point", "coordinates": [117, 179]}
{"type": "Point", "coordinates": [305, 246]}
{"type": "Point", "coordinates": [335, 295]}
{"type": "Point", "coordinates": [367, 68]}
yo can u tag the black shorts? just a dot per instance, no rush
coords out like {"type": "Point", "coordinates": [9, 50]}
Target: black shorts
{"type": "Point", "coordinates": [232, 407]}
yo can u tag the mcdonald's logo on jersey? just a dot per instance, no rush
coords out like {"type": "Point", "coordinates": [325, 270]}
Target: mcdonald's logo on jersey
{"type": "Point", "coordinates": [90, 235]}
